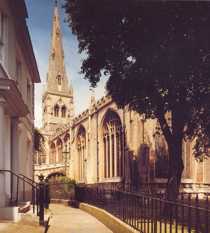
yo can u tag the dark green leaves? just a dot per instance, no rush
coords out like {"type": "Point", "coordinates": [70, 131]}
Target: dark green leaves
{"type": "Point", "coordinates": [157, 56]}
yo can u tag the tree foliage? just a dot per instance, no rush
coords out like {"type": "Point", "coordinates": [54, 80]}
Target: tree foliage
{"type": "Point", "coordinates": [156, 53]}
{"type": "Point", "coordinates": [157, 57]}
{"type": "Point", "coordinates": [38, 141]}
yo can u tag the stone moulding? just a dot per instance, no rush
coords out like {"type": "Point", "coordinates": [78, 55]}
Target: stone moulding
{"type": "Point", "coordinates": [113, 223]}
{"type": "Point", "coordinates": [96, 107]}
{"type": "Point", "coordinates": [15, 105]}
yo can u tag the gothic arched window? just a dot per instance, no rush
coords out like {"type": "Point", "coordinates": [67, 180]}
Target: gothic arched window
{"type": "Point", "coordinates": [81, 148]}
{"type": "Point", "coordinates": [63, 111]}
{"type": "Point", "coordinates": [112, 140]}
{"type": "Point", "coordinates": [60, 150]}
{"type": "Point", "coordinates": [56, 110]}
{"type": "Point", "coordinates": [66, 142]}
{"type": "Point", "coordinates": [161, 165]}
{"type": "Point", "coordinates": [52, 158]}
{"type": "Point", "coordinates": [59, 79]}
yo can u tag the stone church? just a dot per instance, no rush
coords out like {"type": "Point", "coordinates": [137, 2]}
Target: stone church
{"type": "Point", "coordinates": [103, 144]}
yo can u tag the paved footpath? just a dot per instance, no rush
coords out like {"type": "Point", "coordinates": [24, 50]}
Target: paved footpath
{"type": "Point", "coordinates": [71, 220]}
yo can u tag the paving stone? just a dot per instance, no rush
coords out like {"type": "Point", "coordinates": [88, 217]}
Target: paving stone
{"type": "Point", "coordinates": [66, 219]}
{"type": "Point", "coordinates": [28, 224]}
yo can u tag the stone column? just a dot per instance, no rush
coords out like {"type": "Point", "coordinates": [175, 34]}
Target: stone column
{"type": "Point", "coordinates": [123, 154]}
{"type": "Point", "coordinates": [48, 152]}
{"type": "Point", "coordinates": [2, 155]}
{"type": "Point", "coordinates": [115, 153]}
{"type": "Point", "coordinates": [15, 148]}
{"type": "Point", "coordinates": [82, 164]}
{"type": "Point", "coordinates": [15, 144]}
{"type": "Point", "coordinates": [110, 154]}
{"type": "Point", "coordinates": [78, 159]}
{"type": "Point", "coordinates": [106, 156]}
{"type": "Point", "coordinates": [56, 154]}
{"type": "Point", "coordinates": [118, 154]}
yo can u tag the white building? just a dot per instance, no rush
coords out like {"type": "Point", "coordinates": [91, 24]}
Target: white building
{"type": "Point", "coordinates": [18, 73]}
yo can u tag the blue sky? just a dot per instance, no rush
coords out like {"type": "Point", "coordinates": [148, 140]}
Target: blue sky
{"type": "Point", "coordinates": [40, 26]}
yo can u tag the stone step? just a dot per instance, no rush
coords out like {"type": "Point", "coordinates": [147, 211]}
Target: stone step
{"type": "Point", "coordinates": [24, 207]}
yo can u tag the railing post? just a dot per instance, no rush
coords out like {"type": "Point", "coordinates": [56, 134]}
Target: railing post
{"type": "Point", "coordinates": [17, 191]}
{"type": "Point", "coordinates": [33, 199]}
{"type": "Point", "coordinates": [24, 190]}
{"type": "Point", "coordinates": [41, 200]}
{"type": "Point", "coordinates": [11, 191]}
{"type": "Point", "coordinates": [207, 214]}
{"type": "Point", "coordinates": [46, 194]}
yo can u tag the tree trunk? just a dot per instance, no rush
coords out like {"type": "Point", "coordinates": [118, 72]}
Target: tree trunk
{"type": "Point", "coordinates": [174, 136]}
{"type": "Point", "coordinates": [174, 175]}
{"type": "Point", "coordinates": [175, 171]}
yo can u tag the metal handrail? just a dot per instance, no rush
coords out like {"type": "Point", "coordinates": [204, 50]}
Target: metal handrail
{"type": "Point", "coordinates": [38, 192]}
{"type": "Point", "coordinates": [145, 212]}
{"type": "Point", "coordinates": [18, 176]}
{"type": "Point", "coordinates": [29, 179]}
{"type": "Point", "coordinates": [33, 191]}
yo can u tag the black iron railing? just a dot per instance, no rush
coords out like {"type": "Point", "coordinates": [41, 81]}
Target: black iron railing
{"type": "Point", "coordinates": [149, 214]}
{"type": "Point", "coordinates": [24, 188]}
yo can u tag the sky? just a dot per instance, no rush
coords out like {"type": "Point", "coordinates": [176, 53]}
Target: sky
{"type": "Point", "coordinates": [40, 27]}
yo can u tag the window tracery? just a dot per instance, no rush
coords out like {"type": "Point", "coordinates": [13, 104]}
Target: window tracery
{"type": "Point", "coordinates": [60, 150]}
{"type": "Point", "coordinates": [52, 158]}
{"type": "Point", "coordinates": [56, 110]}
{"type": "Point", "coordinates": [81, 148]}
{"type": "Point", "coordinates": [63, 111]}
{"type": "Point", "coordinates": [112, 140]}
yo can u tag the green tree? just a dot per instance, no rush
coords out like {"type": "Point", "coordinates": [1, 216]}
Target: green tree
{"type": "Point", "coordinates": [157, 58]}
{"type": "Point", "coordinates": [38, 141]}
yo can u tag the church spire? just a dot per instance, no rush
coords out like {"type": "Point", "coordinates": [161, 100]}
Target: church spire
{"type": "Point", "coordinates": [58, 105]}
{"type": "Point", "coordinates": [56, 78]}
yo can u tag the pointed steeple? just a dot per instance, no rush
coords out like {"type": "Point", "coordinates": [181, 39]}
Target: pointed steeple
{"type": "Point", "coordinates": [57, 100]}
{"type": "Point", "coordinates": [56, 78]}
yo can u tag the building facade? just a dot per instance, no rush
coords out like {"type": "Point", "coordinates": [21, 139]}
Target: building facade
{"type": "Point", "coordinates": [105, 144]}
{"type": "Point", "coordinates": [18, 73]}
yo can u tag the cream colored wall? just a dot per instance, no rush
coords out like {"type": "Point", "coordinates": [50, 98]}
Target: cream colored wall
{"type": "Point", "coordinates": [9, 51]}
{"type": "Point", "coordinates": [7, 151]}
{"type": "Point", "coordinates": [49, 102]}
{"type": "Point", "coordinates": [21, 149]}
{"type": "Point", "coordinates": [25, 150]}
{"type": "Point", "coordinates": [137, 132]}
{"type": "Point", "coordinates": [194, 171]}
{"type": "Point", "coordinates": [94, 148]}
{"type": "Point", "coordinates": [207, 171]}
{"type": "Point", "coordinates": [93, 124]}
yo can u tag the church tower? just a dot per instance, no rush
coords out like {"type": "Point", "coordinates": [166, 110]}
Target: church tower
{"type": "Point", "coordinates": [58, 98]}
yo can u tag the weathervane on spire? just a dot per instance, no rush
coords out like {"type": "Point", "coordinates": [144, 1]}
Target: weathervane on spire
{"type": "Point", "coordinates": [56, 2]}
